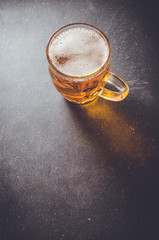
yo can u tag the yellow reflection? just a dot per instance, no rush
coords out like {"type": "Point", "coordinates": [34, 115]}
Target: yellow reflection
{"type": "Point", "coordinates": [112, 131]}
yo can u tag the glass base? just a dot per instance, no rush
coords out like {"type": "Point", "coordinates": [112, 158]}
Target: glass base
{"type": "Point", "coordinates": [83, 102]}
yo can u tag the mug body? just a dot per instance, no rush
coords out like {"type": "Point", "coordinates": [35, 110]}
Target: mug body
{"type": "Point", "coordinates": [77, 88]}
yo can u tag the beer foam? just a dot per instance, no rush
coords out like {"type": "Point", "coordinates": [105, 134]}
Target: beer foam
{"type": "Point", "coordinates": [78, 52]}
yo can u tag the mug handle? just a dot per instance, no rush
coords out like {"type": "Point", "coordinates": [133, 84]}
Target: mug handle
{"type": "Point", "coordinates": [119, 84]}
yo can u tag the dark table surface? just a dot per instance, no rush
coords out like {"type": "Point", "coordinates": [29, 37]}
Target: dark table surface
{"type": "Point", "coordinates": [78, 172]}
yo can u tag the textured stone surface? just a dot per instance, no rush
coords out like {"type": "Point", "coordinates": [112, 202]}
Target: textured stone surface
{"type": "Point", "coordinates": [71, 172]}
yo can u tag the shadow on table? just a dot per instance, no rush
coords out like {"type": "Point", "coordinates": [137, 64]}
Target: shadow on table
{"type": "Point", "coordinates": [117, 131]}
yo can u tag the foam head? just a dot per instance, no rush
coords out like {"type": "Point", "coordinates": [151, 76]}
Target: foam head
{"type": "Point", "coordinates": [78, 52]}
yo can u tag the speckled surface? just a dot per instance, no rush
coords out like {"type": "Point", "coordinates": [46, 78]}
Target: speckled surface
{"type": "Point", "coordinates": [71, 172]}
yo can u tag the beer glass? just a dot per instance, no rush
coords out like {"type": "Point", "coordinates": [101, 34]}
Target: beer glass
{"type": "Point", "coordinates": [78, 57]}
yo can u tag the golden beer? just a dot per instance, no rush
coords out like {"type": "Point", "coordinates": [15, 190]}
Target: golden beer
{"type": "Point", "coordinates": [79, 62]}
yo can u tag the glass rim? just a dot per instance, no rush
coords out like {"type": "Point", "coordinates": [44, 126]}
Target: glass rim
{"type": "Point", "coordinates": [94, 74]}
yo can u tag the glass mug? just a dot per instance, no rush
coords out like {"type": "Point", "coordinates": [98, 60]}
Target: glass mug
{"type": "Point", "coordinates": [78, 57]}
